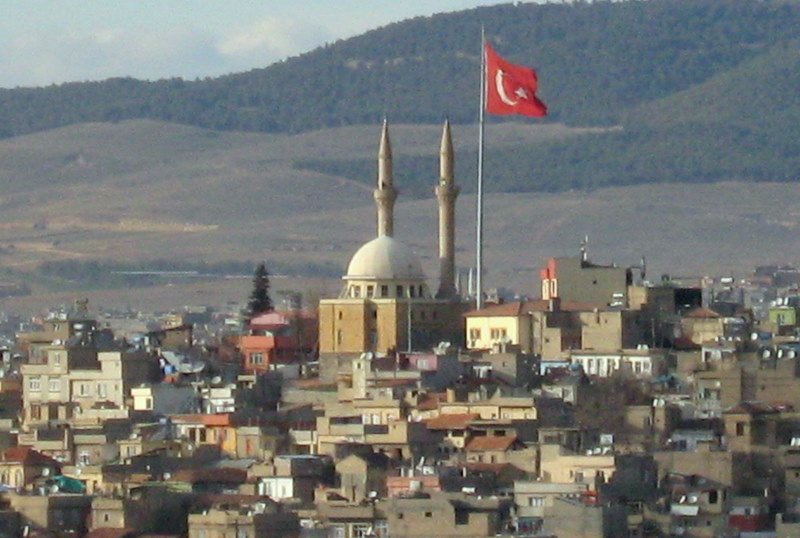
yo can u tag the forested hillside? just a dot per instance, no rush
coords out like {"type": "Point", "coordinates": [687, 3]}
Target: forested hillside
{"type": "Point", "coordinates": [596, 61]}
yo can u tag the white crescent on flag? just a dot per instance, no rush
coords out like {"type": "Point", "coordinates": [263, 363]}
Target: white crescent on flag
{"type": "Point", "coordinates": [501, 91]}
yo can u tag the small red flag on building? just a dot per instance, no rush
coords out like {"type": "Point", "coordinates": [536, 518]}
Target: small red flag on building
{"type": "Point", "coordinates": [511, 89]}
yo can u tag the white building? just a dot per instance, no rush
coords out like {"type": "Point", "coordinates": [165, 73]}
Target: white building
{"type": "Point", "coordinates": [642, 363]}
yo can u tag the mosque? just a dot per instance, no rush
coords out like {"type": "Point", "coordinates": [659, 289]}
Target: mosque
{"type": "Point", "coordinates": [386, 305]}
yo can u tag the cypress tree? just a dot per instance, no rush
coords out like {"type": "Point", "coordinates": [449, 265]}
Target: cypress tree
{"type": "Point", "coordinates": [260, 301]}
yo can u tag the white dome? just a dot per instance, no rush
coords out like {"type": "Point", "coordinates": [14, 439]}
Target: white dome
{"type": "Point", "coordinates": [384, 258]}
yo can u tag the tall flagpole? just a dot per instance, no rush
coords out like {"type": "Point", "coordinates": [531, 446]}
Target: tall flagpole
{"type": "Point", "coordinates": [479, 224]}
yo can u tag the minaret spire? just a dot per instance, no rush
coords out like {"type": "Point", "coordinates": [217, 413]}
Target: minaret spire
{"type": "Point", "coordinates": [446, 194]}
{"type": "Point", "coordinates": [385, 193]}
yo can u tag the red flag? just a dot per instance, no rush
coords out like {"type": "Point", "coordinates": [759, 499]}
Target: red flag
{"type": "Point", "coordinates": [511, 89]}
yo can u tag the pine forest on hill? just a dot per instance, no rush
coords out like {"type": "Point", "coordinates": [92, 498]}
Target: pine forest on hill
{"type": "Point", "coordinates": [704, 90]}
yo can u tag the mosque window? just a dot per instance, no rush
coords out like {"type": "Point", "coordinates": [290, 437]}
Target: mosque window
{"type": "Point", "coordinates": [370, 291]}
{"type": "Point", "coordinates": [356, 291]}
{"type": "Point", "coordinates": [412, 291]}
{"type": "Point", "coordinates": [339, 337]}
{"type": "Point", "coordinates": [384, 290]}
{"type": "Point", "coordinates": [340, 314]}
{"type": "Point", "coordinates": [399, 291]}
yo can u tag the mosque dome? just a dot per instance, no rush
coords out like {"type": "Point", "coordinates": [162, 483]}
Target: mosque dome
{"type": "Point", "coordinates": [384, 258]}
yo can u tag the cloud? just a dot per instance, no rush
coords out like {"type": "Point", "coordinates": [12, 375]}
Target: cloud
{"type": "Point", "coordinates": [45, 57]}
{"type": "Point", "coordinates": [273, 38]}
{"type": "Point", "coordinates": [40, 58]}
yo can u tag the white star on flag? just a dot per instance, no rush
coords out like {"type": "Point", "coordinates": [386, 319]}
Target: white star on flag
{"type": "Point", "coordinates": [521, 93]}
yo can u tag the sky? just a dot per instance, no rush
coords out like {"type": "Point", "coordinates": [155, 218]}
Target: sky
{"type": "Point", "coordinates": [46, 42]}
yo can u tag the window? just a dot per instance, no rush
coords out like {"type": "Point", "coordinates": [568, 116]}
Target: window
{"type": "Point", "coordinates": [475, 334]}
{"type": "Point", "coordinates": [340, 314]}
{"type": "Point", "coordinates": [384, 290]}
{"type": "Point", "coordinates": [57, 359]}
{"type": "Point", "coordinates": [370, 291]}
{"type": "Point", "coordinates": [148, 403]}
{"type": "Point", "coordinates": [428, 514]}
{"type": "Point", "coordinates": [339, 337]}
{"type": "Point", "coordinates": [362, 530]}
{"type": "Point", "coordinates": [412, 291]}
{"type": "Point", "coordinates": [536, 501]}
{"type": "Point", "coordinates": [54, 385]}
{"type": "Point", "coordinates": [740, 429]}
{"type": "Point", "coordinates": [101, 390]}
{"type": "Point", "coordinates": [713, 496]}
{"type": "Point", "coordinates": [35, 384]}
{"type": "Point", "coordinates": [256, 358]}
{"type": "Point", "coordinates": [106, 517]}
{"type": "Point", "coordinates": [356, 291]}
{"type": "Point", "coordinates": [399, 291]}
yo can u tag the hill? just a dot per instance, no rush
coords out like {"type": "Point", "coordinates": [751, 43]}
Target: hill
{"type": "Point", "coordinates": [241, 198]}
{"type": "Point", "coordinates": [597, 60]}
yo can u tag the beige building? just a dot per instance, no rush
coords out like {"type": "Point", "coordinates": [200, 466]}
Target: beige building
{"type": "Point", "coordinates": [559, 465]}
{"type": "Point", "coordinates": [385, 304]}
{"type": "Point", "coordinates": [82, 384]}
{"type": "Point", "coordinates": [249, 521]}
{"type": "Point", "coordinates": [578, 279]}
{"type": "Point", "coordinates": [552, 328]}
{"type": "Point", "coordinates": [446, 515]}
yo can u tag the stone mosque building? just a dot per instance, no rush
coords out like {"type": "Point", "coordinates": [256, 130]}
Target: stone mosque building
{"type": "Point", "coordinates": [386, 305]}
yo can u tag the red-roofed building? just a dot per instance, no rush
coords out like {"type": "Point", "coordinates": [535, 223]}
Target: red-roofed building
{"type": "Point", "coordinates": [215, 429]}
{"type": "Point", "coordinates": [501, 449]}
{"type": "Point", "coordinates": [278, 338]}
{"type": "Point", "coordinates": [20, 466]}
{"type": "Point", "coordinates": [702, 325]}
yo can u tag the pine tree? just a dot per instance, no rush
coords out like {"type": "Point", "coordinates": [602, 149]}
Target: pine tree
{"type": "Point", "coordinates": [260, 301]}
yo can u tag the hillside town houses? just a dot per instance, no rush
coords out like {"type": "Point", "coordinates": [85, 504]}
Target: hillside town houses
{"type": "Point", "coordinates": [610, 406]}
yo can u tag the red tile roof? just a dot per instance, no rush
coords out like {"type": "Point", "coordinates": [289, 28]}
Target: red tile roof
{"type": "Point", "coordinates": [430, 401]}
{"type": "Point", "coordinates": [751, 408]}
{"type": "Point", "coordinates": [702, 313]}
{"type": "Point", "coordinates": [454, 421]}
{"type": "Point", "coordinates": [28, 456]}
{"type": "Point", "coordinates": [487, 443]}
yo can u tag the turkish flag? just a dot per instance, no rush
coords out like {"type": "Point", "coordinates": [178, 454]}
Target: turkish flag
{"type": "Point", "coordinates": [511, 89]}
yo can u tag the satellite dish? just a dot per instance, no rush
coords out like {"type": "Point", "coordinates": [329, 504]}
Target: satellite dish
{"type": "Point", "coordinates": [754, 337]}
{"type": "Point", "coordinates": [780, 353]}
{"type": "Point", "coordinates": [791, 354]}
{"type": "Point", "coordinates": [765, 354]}
{"type": "Point", "coordinates": [46, 471]}
{"type": "Point", "coordinates": [216, 380]}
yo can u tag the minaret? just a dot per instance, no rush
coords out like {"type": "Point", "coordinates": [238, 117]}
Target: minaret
{"type": "Point", "coordinates": [446, 194]}
{"type": "Point", "coordinates": [385, 194]}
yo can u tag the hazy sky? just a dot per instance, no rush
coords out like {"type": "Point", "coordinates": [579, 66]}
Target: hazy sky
{"type": "Point", "coordinates": [52, 41]}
